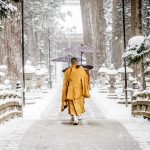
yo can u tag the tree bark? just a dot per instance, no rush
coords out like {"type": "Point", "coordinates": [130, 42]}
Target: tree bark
{"type": "Point", "coordinates": [99, 29]}
{"type": "Point", "coordinates": [87, 26]}
{"type": "Point", "coordinates": [12, 45]}
{"type": "Point", "coordinates": [136, 17]}
{"type": "Point", "coordinates": [117, 37]}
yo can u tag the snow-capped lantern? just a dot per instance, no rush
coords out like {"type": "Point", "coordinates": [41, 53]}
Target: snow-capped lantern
{"type": "Point", "coordinates": [131, 80]}
{"type": "Point", "coordinates": [121, 72]}
{"type": "Point", "coordinates": [29, 71]}
{"type": "Point", "coordinates": [102, 72]}
{"type": "Point", "coordinates": [103, 69]}
{"type": "Point", "coordinates": [112, 73]}
{"type": "Point", "coordinates": [41, 74]}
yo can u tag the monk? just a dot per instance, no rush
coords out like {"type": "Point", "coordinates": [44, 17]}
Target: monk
{"type": "Point", "coordinates": [75, 90]}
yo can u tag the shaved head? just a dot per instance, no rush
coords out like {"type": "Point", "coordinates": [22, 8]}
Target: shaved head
{"type": "Point", "coordinates": [74, 61]}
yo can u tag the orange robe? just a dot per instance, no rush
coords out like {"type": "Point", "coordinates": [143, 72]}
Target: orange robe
{"type": "Point", "coordinates": [75, 89]}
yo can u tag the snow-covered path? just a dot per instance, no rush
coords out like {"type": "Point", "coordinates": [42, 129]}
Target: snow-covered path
{"type": "Point", "coordinates": [105, 127]}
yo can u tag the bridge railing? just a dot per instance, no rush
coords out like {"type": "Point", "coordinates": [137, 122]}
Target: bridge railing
{"type": "Point", "coordinates": [141, 104]}
{"type": "Point", "coordinates": [10, 105]}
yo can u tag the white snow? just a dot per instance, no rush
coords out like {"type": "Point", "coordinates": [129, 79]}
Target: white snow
{"type": "Point", "coordinates": [3, 67]}
{"type": "Point", "coordinates": [28, 68]}
{"type": "Point", "coordinates": [138, 127]}
{"type": "Point", "coordinates": [8, 6]}
{"type": "Point", "coordinates": [2, 74]}
{"type": "Point", "coordinates": [122, 70]}
{"type": "Point", "coordinates": [135, 44]}
{"type": "Point", "coordinates": [112, 72]}
{"type": "Point", "coordinates": [136, 41]}
{"type": "Point", "coordinates": [14, 130]}
{"type": "Point", "coordinates": [146, 92]}
{"type": "Point", "coordinates": [102, 70]}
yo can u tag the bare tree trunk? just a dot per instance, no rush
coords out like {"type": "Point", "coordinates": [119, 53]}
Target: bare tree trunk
{"type": "Point", "coordinates": [145, 17]}
{"type": "Point", "coordinates": [12, 45]}
{"type": "Point", "coordinates": [99, 29]}
{"type": "Point", "coordinates": [136, 17]}
{"type": "Point", "coordinates": [87, 26]}
{"type": "Point", "coordinates": [117, 37]}
{"type": "Point", "coordinates": [136, 29]}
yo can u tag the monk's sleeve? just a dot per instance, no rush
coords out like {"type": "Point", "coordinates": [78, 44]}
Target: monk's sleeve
{"type": "Point", "coordinates": [85, 84]}
{"type": "Point", "coordinates": [64, 91]}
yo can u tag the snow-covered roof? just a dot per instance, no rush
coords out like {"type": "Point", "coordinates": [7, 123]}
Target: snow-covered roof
{"type": "Point", "coordinates": [122, 70]}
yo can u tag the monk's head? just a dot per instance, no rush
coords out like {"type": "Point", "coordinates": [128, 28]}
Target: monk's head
{"type": "Point", "coordinates": [74, 61]}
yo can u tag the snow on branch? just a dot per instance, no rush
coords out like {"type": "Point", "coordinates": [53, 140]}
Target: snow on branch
{"type": "Point", "coordinates": [138, 46]}
{"type": "Point", "coordinates": [6, 8]}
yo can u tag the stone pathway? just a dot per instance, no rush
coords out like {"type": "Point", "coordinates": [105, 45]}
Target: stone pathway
{"type": "Point", "coordinates": [54, 132]}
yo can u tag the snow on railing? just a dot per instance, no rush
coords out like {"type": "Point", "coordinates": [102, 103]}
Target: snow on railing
{"type": "Point", "coordinates": [10, 105]}
{"type": "Point", "coordinates": [141, 104]}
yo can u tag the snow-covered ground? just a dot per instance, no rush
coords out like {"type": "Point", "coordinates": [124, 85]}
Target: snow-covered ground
{"type": "Point", "coordinates": [138, 127]}
{"type": "Point", "coordinates": [13, 131]}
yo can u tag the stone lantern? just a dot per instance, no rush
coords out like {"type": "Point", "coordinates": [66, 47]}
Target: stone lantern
{"type": "Point", "coordinates": [45, 82]}
{"type": "Point", "coordinates": [131, 80]}
{"type": "Point", "coordinates": [102, 72]}
{"type": "Point", "coordinates": [41, 76]}
{"type": "Point", "coordinates": [112, 73]}
{"type": "Point", "coordinates": [121, 72]}
{"type": "Point", "coordinates": [29, 70]}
